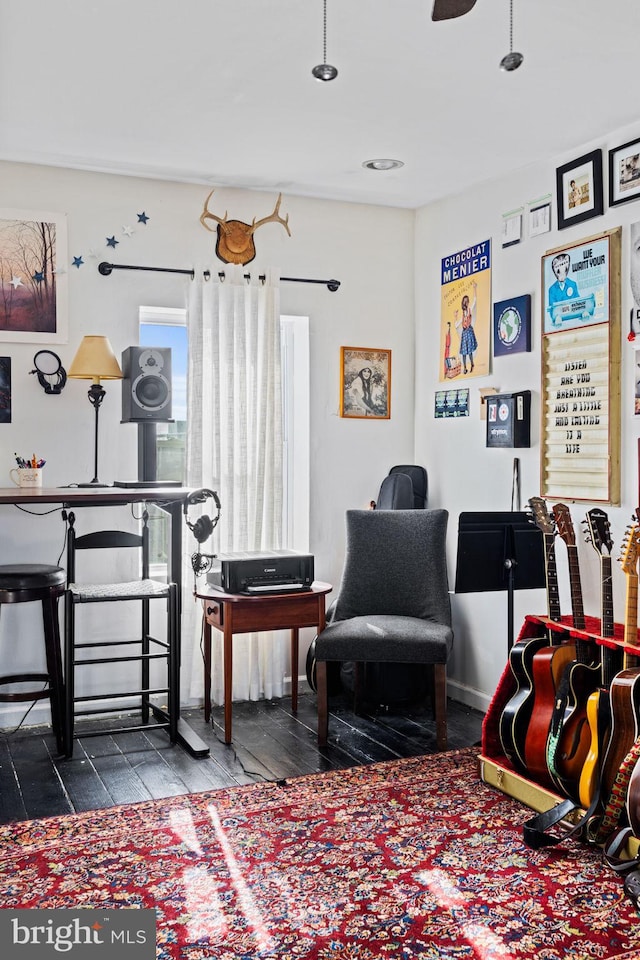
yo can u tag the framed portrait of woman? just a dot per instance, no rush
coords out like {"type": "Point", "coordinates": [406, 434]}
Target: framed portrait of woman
{"type": "Point", "coordinates": [365, 383]}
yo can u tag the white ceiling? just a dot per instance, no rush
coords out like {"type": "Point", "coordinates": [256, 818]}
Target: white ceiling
{"type": "Point", "coordinates": [220, 92]}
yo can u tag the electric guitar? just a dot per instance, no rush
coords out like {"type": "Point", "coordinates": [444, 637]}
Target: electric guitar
{"type": "Point", "coordinates": [624, 693]}
{"type": "Point", "coordinates": [569, 736]}
{"type": "Point", "coordinates": [549, 662]}
{"type": "Point", "coordinates": [598, 704]}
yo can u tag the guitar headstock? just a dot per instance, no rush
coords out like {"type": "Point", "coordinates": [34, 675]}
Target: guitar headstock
{"type": "Point", "coordinates": [598, 531]}
{"type": "Point", "coordinates": [562, 516]}
{"type": "Point", "coordinates": [541, 516]}
{"type": "Point", "coordinates": [630, 550]}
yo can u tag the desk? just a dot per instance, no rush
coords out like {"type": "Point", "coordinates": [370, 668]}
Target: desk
{"type": "Point", "coordinates": [237, 613]}
{"type": "Point", "coordinates": [169, 499]}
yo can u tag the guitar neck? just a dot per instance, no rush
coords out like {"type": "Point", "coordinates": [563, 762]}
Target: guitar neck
{"type": "Point", "coordinates": [577, 607]}
{"type": "Point", "coordinates": [631, 660]}
{"type": "Point", "coordinates": [606, 627]}
{"type": "Point", "coordinates": [553, 595]}
{"type": "Point", "coordinates": [611, 659]}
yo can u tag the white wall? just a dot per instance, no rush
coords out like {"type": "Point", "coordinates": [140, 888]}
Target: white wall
{"type": "Point", "coordinates": [369, 249]}
{"type": "Point", "coordinates": [464, 474]}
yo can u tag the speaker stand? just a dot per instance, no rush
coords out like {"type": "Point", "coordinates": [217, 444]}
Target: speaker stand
{"type": "Point", "coordinates": [147, 451]}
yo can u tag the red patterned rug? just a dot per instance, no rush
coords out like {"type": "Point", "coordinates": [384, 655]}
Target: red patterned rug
{"type": "Point", "coordinates": [409, 859]}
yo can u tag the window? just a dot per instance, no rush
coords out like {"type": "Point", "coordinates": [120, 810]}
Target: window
{"type": "Point", "coordinates": [167, 327]}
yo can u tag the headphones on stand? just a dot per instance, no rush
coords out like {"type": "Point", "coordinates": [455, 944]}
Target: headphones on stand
{"type": "Point", "coordinates": [202, 527]}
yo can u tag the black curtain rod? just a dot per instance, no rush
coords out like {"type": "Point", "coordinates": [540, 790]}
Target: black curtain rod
{"type": "Point", "coordinates": [106, 268]}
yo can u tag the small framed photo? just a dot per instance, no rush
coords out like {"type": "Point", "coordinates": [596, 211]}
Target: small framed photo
{"type": "Point", "coordinates": [365, 383]}
{"type": "Point", "coordinates": [579, 193]}
{"type": "Point", "coordinates": [624, 173]}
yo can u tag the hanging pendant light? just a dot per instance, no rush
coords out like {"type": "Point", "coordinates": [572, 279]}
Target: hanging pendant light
{"type": "Point", "coordinates": [324, 70]}
{"type": "Point", "coordinates": [513, 59]}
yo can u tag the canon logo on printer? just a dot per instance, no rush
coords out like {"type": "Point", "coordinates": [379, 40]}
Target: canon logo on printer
{"type": "Point", "coordinates": [268, 569]}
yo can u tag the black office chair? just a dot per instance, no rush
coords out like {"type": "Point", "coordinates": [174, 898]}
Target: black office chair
{"type": "Point", "coordinates": [405, 487]}
{"type": "Point", "coordinates": [419, 481]}
{"type": "Point", "coordinates": [393, 603]}
{"type": "Point", "coordinates": [143, 650]}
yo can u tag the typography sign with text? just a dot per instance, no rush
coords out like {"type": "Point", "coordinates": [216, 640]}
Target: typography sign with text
{"type": "Point", "coordinates": [580, 457]}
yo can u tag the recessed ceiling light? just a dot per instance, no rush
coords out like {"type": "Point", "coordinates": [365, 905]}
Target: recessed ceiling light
{"type": "Point", "coordinates": [383, 164]}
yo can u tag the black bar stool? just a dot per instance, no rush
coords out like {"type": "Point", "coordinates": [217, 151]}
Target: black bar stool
{"type": "Point", "coordinates": [20, 583]}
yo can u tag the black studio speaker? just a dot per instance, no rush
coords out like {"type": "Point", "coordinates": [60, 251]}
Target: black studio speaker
{"type": "Point", "coordinates": [146, 384]}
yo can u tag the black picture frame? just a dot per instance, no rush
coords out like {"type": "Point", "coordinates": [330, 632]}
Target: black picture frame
{"type": "Point", "coordinates": [624, 172]}
{"type": "Point", "coordinates": [579, 193]}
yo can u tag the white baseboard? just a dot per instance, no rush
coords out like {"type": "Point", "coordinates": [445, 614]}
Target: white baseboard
{"type": "Point", "coordinates": [471, 697]}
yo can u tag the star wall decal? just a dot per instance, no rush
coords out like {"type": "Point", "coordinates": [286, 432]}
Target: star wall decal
{"type": "Point", "coordinates": [111, 241]}
{"type": "Point", "coordinates": [16, 282]}
{"type": "Point", "coordinates": [38, 276]}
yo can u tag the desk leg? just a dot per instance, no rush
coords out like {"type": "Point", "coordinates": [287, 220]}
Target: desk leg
{"type": "Point", "coordinates": [206, 642]}
{"type": "Point", "coordinates": [187, 737]}
{"type": "Point", "coordinates": [294, 668]}
{"type": "Point", "coordinates": [228, 672]}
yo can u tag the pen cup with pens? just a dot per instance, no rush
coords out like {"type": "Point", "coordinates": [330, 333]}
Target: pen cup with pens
{"type": "Point", "coordinates": [28, 472]}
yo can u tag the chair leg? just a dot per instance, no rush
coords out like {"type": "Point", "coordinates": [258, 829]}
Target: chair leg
{"type": "Point", "coordinates": [323, 702]}
{"type": "Point", "coordinates": [54, 667]}
{"type": "Point", "coordinates": [440, 702]}
{"type": "Point", "coordinates": [173, 638]}
{"type": "Point", "coordinates": [358, 686]}
{"type": "Point", "coordinates": [144, 666]}
{"type": "Point", "coordinates": [69, 670]}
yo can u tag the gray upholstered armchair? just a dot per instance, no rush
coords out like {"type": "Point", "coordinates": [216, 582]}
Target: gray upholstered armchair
{"type": "Point", "coordinates": [393, 603]}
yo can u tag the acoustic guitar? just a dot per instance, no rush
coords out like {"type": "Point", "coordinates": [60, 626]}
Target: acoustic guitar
{"type": "Point", "coordinates": [624, 693]}
{"type": "Point", "coordinates": [569, 736]}
{"type": "Point", "coordinates": [598, 704]}
{"type": "Point", "coordinates": [549, 662]}
{"type": "Point", "coordinates": [516, 715]}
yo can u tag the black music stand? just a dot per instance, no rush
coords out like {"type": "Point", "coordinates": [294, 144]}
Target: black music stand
{"type": "Point", "coordinates": [499, 551]}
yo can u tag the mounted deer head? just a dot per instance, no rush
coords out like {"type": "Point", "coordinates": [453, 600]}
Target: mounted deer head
{"type": "Point", "coordinates": [235, 238]}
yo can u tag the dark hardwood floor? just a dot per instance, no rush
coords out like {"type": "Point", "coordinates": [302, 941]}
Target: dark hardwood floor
{"type": "Point", "coordinates": [269, 743]}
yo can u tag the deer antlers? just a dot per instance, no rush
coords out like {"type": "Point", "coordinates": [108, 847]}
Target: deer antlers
{"type": "Point", "coordinates": [235, 238]}
{"type": "Point", "coordinates": [275, 217]}
{"type": "Point", "coordinates": [207, 215]}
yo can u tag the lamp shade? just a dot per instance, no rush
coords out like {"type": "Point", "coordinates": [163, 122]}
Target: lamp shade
{"type": "Point", "coordinates": [95, 360]}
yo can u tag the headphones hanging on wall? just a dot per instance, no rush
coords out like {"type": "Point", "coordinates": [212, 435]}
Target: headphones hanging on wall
{"type": "Point", "coordinates": [48, 364]}
{"type": "Point", "coordinates": [202, 527]}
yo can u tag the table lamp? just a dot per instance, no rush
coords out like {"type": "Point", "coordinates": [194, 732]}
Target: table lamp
{"type": "Point", "coordinates": [96, 361]}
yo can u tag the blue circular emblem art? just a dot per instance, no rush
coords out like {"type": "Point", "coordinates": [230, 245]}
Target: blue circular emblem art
{"type": "Point", "coordinates": [509, 326]}
{"type": "Point", "coordinates": [512, 326]}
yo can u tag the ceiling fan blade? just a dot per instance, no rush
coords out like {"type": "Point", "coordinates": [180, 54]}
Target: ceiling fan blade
{"type": "Point", "coordinates": [448, 9]}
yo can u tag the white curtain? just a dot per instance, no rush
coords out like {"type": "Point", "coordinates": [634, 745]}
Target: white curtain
{"type": "Point", "coordinates": [234, 446]}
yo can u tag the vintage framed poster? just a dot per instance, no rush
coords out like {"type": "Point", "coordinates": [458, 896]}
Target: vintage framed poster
{"type": "Point", "coordinates": [580, 430]}
{"type": "Point", "coordinates": [365, 383]}
{"type": "Point", "coordinates": [33, 280]}
{"type": "Point", "coordinates": [465, 313]}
